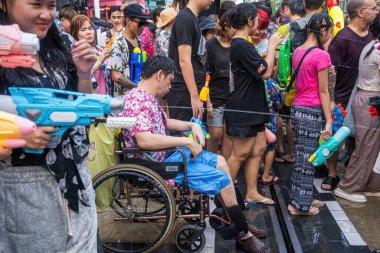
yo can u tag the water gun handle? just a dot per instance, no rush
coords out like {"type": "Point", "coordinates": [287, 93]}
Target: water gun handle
{"type": "Point", "coordinates": [108, 46]}
{"type": "Point", "coordinates": [205, 92]}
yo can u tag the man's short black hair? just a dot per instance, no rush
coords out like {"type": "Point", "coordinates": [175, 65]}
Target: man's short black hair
{"type": "Point", "coordinates": [113, 9]}
{"type": "Point", "coordinates": [313, 4]}
{"type": "Point", "coordinates": [155, 64]}
{"type": "Point", "coordinates": [297, 7]}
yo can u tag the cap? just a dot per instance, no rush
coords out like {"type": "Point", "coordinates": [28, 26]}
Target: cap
{"type": "Point", "coordinates": [136, 11]}
{"type": "Point", "coordinates": [166, 16]}
{"type": "Point", "coordinates": [207, 24]}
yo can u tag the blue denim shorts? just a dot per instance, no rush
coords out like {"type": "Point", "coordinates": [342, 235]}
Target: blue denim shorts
{"type": "Point", "coordinates": [202, 174]}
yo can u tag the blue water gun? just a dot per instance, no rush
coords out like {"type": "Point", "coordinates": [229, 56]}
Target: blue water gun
{"type": "Point", "coordinates": [58, 108]}
{"type": "Point", "coordinates": [338, 116]}
{"type": "Point", "coordinates": [137, 62]}
{"type": "Point", "coordinates": [326, 149]}
{"type": "Point", "coordinates": [200, 123]}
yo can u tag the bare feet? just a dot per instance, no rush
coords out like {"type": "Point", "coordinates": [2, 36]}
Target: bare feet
{"type": "Point", "coordinates": [312, 211]}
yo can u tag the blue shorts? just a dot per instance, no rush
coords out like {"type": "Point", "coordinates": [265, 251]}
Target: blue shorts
{"type": "Point", "coordinates": [202, 174]}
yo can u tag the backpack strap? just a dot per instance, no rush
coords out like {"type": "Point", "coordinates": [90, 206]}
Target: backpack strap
{"type": "Point", "coordinates": [295, 73]}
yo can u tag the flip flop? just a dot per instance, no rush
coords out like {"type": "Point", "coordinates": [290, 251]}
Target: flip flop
{"type": "Point", "coordinates": [261, 202]}
{"type": "Point", "coordinates": [299, 213]}
{"type": "Point", "coordinates": [332, 181]}
{"type": "Point", "coordinates": [271, 182]}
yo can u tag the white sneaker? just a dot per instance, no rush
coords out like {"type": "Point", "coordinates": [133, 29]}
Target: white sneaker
{"type": "Point", "coordinates": [358, 198]}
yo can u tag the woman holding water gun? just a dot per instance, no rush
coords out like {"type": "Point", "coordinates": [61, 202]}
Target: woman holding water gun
{"type": "Point", "coordinates": [48, 199]}
{"type": "Point", "coordinates": [247, 109]}
{"type": "Point", "coordinates": [359, 180]}
{"type": "Point", "coordinates": [310, 71]}
{"type": "Point", "coordinates": [82, 29]}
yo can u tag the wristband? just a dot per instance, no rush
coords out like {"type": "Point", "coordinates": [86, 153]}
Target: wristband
{"type": "Point", "coordinates": [84, 77]}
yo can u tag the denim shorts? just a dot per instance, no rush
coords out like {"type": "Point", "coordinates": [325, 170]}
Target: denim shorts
{"type": "Point", "coordinates": [218, 117]}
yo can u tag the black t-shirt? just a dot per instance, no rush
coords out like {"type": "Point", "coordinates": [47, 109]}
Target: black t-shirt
{"type": "Point", "coordinates": [248, 88]}
{"type": "Point", "coordinates": [218, 65]}
{"type": "Point", "coordinates": [186, 31]}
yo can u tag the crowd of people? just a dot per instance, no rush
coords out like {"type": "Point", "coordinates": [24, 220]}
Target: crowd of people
{"type": "Point", "coordinates": [238, 49]}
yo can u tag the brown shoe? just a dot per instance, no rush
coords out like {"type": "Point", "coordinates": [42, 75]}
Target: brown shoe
{"type": "Point", "coordinates": [258, 232]}
{"type": "Point", "coordinates": [253, 245]}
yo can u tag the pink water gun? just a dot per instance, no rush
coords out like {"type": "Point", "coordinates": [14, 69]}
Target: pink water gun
{"type": "Point", "coordinates": [12, 128]}
{"type": "Point", "coordinates": [17, 47]}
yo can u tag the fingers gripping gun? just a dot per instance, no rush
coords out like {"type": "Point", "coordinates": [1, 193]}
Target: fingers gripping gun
{"type": "Point", "coordinates": [16, 47]}
{"type": "Point", "coordinates": [62, 109]}
{"type": "Point", "coordinates": [200, 123]}
{"type": "Point", "coordinates": [12, 128]}
{"type": "Point", "coordinates": [328, 148]}
{"type": "Point", "coordinates": [374, 109]}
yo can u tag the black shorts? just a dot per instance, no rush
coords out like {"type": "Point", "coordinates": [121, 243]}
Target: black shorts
{"type": "Point", "coordinates": [177, 102]}
{"type": "Point", "coordinates": [245, 131]}
{"type": "Point", "coordinates": [285, 111]}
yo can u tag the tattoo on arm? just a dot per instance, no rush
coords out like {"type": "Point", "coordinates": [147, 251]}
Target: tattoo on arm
{"type": "Point", "coordinates": [125, 82]}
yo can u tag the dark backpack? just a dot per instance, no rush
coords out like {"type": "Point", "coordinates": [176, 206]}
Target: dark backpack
{"type": "Point", "coordinates": [298, 33]}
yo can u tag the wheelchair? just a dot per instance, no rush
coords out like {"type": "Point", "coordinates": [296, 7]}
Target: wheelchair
{"type": "Point", "coordinates": [138, 210]}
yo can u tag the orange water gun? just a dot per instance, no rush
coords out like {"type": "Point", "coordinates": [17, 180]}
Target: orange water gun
{"type": "Point", "coordinates": [108, 46]}
{"type": "Point", "coordinates": [205, 92]}
{"type": "Point", "coordinates": [12, 128]}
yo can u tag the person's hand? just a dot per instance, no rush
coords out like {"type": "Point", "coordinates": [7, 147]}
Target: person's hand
{"type": "Point", "coordinates": [198, 135]}
{"type": "Point", "coordinates": [104, 55]}
{"type": "Point", "coordinates": [5, 153]}
{"type": "Point", "coordinates": [194, 147]}
{"type": "Point", "coordinates": [84, 57]}
{"type": "Point", "coordinates": [210, 111]}
{"type": "Point", "coordinates": [327, 132]}
{"type": "Point", "coordinates": [275, 40]}
{"type": "Point", "coordinates": [197, 107]}
{"type": "Point", "coordinates": [40, 138]}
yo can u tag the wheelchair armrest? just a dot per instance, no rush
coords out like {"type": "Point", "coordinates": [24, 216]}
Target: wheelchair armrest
{"type": "Point", "coordinates": [140, 150]}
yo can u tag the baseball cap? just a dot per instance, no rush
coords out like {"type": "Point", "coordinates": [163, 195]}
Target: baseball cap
{"type": "Point", "coordinates": [136, 11]}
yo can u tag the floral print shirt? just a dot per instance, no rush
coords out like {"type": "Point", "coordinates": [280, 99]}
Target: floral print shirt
{"type": "Point", "coordinates": [119, 61]}
{"type": "Point", "coordinates": [161, 44]}
{"type": "Point", "coordinates": [150, 117]}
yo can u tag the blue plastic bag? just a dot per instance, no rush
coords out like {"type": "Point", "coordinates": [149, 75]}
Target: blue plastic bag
{"type": "Point", "coordinates": [201, 172]}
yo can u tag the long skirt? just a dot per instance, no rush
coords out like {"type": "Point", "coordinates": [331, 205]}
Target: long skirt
{"type": "Point", "coordinates": [307, 125]}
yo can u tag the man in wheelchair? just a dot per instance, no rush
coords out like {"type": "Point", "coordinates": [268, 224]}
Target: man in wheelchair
{"type": "Point", "coordinates": [207, 172]}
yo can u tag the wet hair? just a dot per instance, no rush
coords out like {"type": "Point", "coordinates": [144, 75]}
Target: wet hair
{"type": "Point", "coordinates": [68, 13]}
{"type": "Point", "coordinates": [51, 49]}
{"type": "Point", "coordinates": [226, 5]}
{"type": "Point", "coordinates": [155, 64]}
{"type": "Point", "coordinates": [224, 21]}
{"type": "Point", "coordinates": [353, 6]}
{"type": "Point", "coordinates": [316, 23]}
{"type": "Point", "coordinates": [242, 13]}
{"type": "Point", "coordinates": [263, 20]}
{"type": "Point", "coordinates": [156, 14]}
{"type": "Point", "coordinates": [264, 5]}
{"type": "Point", "coordinates": [314, 4]}
{"type": "Point", "coordinates": [113, 9]}
{"type": "Point", "coordinates": [297, 7]}
{"type": "Point", "coordinates": [76, 25]}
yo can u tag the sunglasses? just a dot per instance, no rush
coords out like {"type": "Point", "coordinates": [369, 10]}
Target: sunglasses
{"type": "Point", "coordinates": [140, 23]}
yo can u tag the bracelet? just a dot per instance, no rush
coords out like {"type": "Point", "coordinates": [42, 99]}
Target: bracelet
{"type": "Point", "coordinates": [87, 77]}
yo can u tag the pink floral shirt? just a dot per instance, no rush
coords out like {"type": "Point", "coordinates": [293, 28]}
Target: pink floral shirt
{"type": "Point", "coordinates": [143, 106]}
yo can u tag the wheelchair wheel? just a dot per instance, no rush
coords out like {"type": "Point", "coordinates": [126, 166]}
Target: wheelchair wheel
{"type": "Point", "coordinates": [182, 236]}
{"type": "Point", "coordinates": [136, 209]}
{"type": "Point", "coordinates": [191, 207]}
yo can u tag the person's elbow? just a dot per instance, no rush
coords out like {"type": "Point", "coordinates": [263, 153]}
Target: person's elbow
{"type": "Point", "coordinates": [267, 75]}
{"type": "Point", "coordinates": [143, 141]}
{"type": "Point", "coordinates": [115, 75]}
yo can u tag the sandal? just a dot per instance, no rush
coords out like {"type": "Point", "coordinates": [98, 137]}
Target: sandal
{"type": "Point", "coordinates": [279, 157]}
{"type": "Point", "coordinates": [263, 202]}
{"type": "Point", "coordinates": [332, 181]}
{"type": "Point", "coordinates": [274, 180]}
{"type": "Point", "coordinates": [312, 211]}
{"type": "Point", "coordinates": [287, 159]}
{"type": "Point", "coordinates": [317, 203]}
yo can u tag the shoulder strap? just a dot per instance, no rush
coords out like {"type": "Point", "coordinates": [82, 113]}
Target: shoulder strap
{"type": "Point", "coordinates": [295, 73]}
